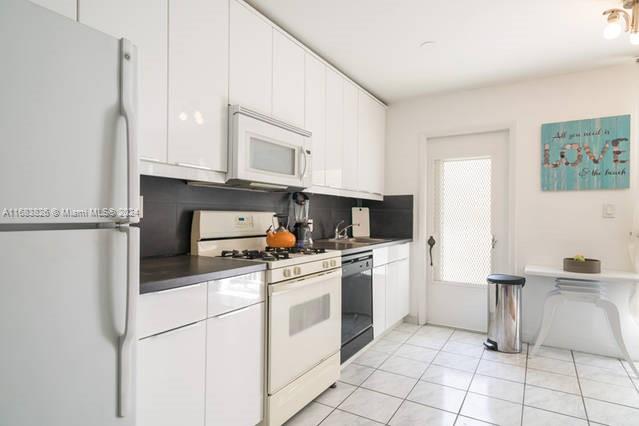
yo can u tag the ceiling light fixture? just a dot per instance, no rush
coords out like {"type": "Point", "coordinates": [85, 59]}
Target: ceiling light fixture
{"type": "Point", "coordinates": [619, 21]}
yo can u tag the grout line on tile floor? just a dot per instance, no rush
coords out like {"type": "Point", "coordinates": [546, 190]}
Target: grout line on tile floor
{"type": "Point", "coordinates": [469, 384]}
{"type": "Point", "coordinates": [581, 393]}
{"type": "Point", "coordinates": [523, 396]}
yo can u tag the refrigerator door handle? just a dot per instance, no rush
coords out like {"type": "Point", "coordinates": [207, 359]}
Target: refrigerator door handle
{"type": "Point", "coordinates": [128, 339]}
{"type": "Point", "coordinates": [128, 109]}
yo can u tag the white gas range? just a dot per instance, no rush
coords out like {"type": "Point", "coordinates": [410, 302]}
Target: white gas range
{"type": "Point", "coordinates": [303, 306]}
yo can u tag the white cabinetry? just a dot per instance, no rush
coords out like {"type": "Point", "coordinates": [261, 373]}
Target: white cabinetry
{"type": "Point", "coordinates": [171, 377]}
{"type": "Point", "coordinates": [251, 59]}
{"type": "Point", "coordinates": [235, 367]}
{"type": "Point", "coordinates": [288, 79]}
{"type": "Point", "coordinates": [350, 153]}
{"type": "Point", "coordinates": [315, 122]}
{"type": "Point", "coordinates": [379, 300]}
{"type": "Point", "coordinates": [334, 128]}
{"type": "Point", "coordinates": [378, 147]}
{"type": "Point", "coordinates": [198, 83]}
{"type": "Point", "coordinates": [391, 286]}
{"type": "Point", "coordinates": [144, 22]}
{"type": "Point", "coordinates": [397, 291]}
{"type": "Point", "coordinates": [67, 8]}
{"type": "Point", "coordinates": [371, 120]}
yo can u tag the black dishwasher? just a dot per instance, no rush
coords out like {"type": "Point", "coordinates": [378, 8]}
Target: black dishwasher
{"type": "Point", "coordinates": [357, 303]}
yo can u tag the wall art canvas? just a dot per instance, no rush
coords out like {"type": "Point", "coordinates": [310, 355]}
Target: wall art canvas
{"type": "Point", "coordinates": [586, 154]}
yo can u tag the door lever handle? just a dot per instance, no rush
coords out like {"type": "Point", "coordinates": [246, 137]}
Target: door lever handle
{"type": "Point", "coordinates": [431, 242]}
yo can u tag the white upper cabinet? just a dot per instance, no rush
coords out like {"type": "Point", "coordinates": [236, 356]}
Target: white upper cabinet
{"type": "Point", "coordinates": [198, 83]}
{"type": "Point", "coordinates": [251, 59]}
{"type": "Point", "coordinates": [371, 120]}
{"type": "Point", "coordinates": [334, 128]}
{"type": "Point", "coordinates": [315, 121]}
{"type": "Point", "coordinates": [67, 8]}
{"type": "Point", "coordinates": [350, 155]}
{"type": "Point", "coordinates": [365, 142]}
{"type": "Point", "coordinates": [288, 79]}
{"type": "Point", "coordinates": [144, 22]}
{"type": "Point", "coordinates": [379, 150]}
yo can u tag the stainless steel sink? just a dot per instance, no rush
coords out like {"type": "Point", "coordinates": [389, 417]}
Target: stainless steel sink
{"type": "Point", "coordinates": [357, 240]}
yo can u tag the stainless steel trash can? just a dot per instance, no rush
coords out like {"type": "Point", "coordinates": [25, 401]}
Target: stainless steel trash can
{"type": "Point", "coordinates": [504, 313]}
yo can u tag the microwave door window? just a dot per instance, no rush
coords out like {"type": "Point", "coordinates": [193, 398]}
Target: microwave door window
{"type": "Point", "coordinates": [273, 158]}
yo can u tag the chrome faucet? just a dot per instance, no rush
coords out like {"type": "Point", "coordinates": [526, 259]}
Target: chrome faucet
{"type": "Point", "coordinates": [342, 235]}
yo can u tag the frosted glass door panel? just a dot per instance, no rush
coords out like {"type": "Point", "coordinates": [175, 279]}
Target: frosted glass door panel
{"type": "Point", "coordinates": [464, 220]}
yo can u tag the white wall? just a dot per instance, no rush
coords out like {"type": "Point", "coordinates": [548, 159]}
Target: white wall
{"type": "Point", "coordinates": [546, 226]}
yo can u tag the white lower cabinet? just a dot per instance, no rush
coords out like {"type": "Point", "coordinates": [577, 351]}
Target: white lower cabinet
{"type": "Point", "coordinates": [391, 286]}
{"type": "Point", "coordinates": [171, 377]}
{"type": "Point", "coordinates": [379, 300]}
{"type": "Point", "coordinates": [235, 367]}
{"type": "Point", "coordinates": [397, 291]}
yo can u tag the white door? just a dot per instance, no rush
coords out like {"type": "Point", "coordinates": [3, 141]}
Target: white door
{"type": "Point", "coordinates": [315, 99]}
{"type": "Point", "coordinates": [145, 23]}
{"type": "Point", "coordinates": [235, 367]}
{"type": "Point", "coordinates": [467, 220]}
{"type": "Point", "coordinates": [302, 314]}
{"type": "Point", "coordinates": [251, 60]}
{"type": "Point", "coordinates": [288, 79]}
{"type": "Point", "coordinates": [171, 372]}
{"type": "Point", "coordinates": [349, 143]}
{"type": "Point", "coordinates": [380, 277]}
{"type": "Point", "coordinates": [371, 127]}
{"type": "Point", "coordinates": [334, 128]}
{"type": "Point", "coordinates": [60, 143]}
{"type": "Point", "coordinates": [198, 83]}
{"type": "Point", "coordinates": [62, 310]}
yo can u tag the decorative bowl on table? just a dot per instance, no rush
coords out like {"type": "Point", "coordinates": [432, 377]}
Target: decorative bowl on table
{"type": "Point", "coordinates": [582, 265]}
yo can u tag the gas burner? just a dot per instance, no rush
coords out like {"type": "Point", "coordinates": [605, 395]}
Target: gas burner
{"type": "Point", "coordinates": [295, 250]}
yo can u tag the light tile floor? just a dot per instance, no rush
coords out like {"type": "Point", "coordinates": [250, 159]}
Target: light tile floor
{"type": "Point", "coordinates": [441, 376]}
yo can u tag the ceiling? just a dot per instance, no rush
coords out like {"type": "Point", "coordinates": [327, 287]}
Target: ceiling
{"type": "Point", "coordinates": [477, 43]}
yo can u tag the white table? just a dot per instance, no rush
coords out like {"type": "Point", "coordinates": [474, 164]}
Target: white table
{"type": "Point", "coordinates": [588, 288]}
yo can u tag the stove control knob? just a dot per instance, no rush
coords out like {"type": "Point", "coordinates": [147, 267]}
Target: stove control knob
{"type": "Point", "coordinates": [297, 270]}
{"type": "Point", "coordinates": [333, 263]}
{"type": "Point", "coordinates": [287, 273]}
{"type": "Point", "coordinates": [325, 264]}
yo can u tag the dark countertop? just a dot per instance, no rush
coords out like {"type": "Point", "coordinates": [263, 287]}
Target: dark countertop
{"type": "Point", "coordinates": [352, 248]}
{"type": "Point", "coordinates": [163, 273]}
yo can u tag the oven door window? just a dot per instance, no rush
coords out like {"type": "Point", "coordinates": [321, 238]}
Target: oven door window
{"type": "Point", "coordinates": [307, 314]}
{"type": "Point", "coordinates": [272, 157]}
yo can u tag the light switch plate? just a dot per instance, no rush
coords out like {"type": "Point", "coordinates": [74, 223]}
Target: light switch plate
{"type": "Point", "coordinates": [609, 211]}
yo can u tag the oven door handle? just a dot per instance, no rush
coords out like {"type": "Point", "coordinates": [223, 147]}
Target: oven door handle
{"type": "Point", "coordinates": [287, 287]}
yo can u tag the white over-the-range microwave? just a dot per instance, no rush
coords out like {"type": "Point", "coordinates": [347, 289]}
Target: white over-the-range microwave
{"type": "Point", "coordinates": [265, 153]}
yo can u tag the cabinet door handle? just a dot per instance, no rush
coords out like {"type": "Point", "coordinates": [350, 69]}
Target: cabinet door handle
{"type": "Point", "coordinates": [193, 166]}
{"type": "Point", "coordinates": [176, 330]}
{"type": "Point", "coordinates": [174, 289]}
{"type": "Point", "coordinates": [235, 312]}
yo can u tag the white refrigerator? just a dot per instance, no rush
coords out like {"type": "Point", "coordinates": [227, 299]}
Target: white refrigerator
{"type": "Point", "coordinates": [69, 193]}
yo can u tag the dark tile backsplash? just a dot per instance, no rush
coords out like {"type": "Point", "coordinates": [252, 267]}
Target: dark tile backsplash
{"type": "Point", "coordinates": [169, 206]}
